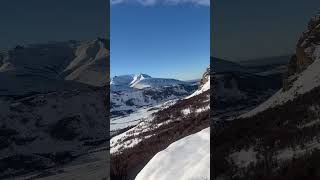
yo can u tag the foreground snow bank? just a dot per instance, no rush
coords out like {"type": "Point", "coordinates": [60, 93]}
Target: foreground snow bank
{"type": "Point", "coordinates": [185, 159]}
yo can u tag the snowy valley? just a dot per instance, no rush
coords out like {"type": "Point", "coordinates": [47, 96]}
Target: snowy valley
{"type": "Point", "coordinates": [134, 97]}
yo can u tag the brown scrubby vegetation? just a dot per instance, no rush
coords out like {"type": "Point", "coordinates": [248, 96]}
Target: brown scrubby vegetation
{"type": "Point", "coordinates": [268, 132]}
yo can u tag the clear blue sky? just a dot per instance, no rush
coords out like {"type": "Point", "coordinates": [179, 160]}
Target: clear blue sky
{"type": "Point", "coordinates": [34, 21]}
{"type": "Point", "coordinates": [162, 40]}
{"type": "Point", "coordinates": [250, 29]}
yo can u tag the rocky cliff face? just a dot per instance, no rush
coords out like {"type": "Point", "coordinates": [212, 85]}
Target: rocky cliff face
{"type": "Point", "coordinates": [205, 77]}
{"type": "Point", "coordinates": [305, 49]}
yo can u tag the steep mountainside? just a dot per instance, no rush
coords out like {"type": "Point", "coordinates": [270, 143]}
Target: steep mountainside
{"type": "Point", "coordinates": [280, 138]}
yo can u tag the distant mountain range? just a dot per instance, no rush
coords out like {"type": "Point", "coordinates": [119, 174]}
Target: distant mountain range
{"type": "Point", "coordinates": [53, 66]}
{"type": "Point", "coordinates": [131, 92]}
{"type": "Point", "coordinates": [141, 81]}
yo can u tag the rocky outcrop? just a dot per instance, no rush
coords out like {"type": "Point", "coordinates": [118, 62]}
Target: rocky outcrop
{"type": "Point", "coordinates": [304, 52]}
{"type": "Point", "coordinates": [205, 77]}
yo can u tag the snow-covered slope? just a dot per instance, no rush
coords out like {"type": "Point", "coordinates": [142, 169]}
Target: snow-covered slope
{"type": "Point", "coordinates": [187, 158]}
{"type": "Point", "coordinates": [137, 78]}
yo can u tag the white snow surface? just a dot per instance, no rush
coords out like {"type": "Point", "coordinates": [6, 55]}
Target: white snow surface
{"type": "Point", "coordinates": [186, 111]}
{"type": "Point", "coordinates": [142, 122]}
{"type": "Point", "coordinates": [128, 80]}
{"type": "Point", "coordinates": [185, 159]}
{"type": "Point", "coordinates": [133, 118]}
{"type": "Point", "coordinates": [137, 78]}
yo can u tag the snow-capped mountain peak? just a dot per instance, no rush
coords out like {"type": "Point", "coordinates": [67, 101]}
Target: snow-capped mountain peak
{"type": "Point", "coordinates": [138, 77]}
{"type": "Point", "coordinates": [128, 80]}
{"type": "Point", "coordinates": [141, 81]}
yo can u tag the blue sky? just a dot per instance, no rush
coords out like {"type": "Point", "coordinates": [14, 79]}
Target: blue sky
{"type": "Point", "coordinates": [33, 21]}
{"type": "Point", "coordinates": [250, 29]}
{"type": "Point", "coordinates": [170, 39]}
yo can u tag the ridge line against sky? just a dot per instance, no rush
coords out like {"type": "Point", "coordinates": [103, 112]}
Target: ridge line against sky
{"type": "Point", "coordinates": [162, 2]}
